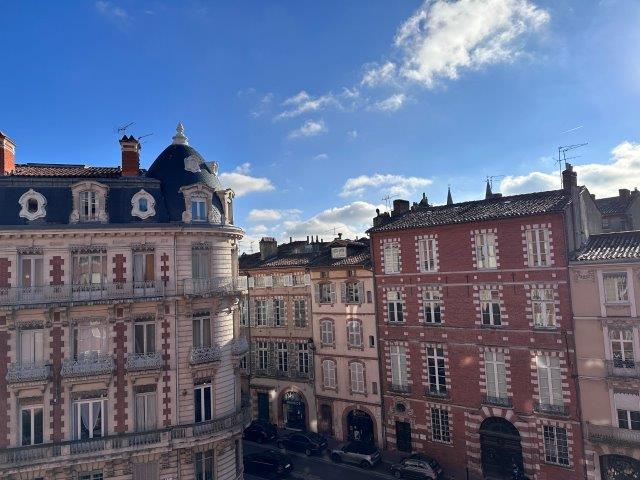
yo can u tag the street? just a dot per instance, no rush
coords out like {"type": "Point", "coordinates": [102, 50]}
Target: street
{"type": "Point", "coordinates": [320, 467]}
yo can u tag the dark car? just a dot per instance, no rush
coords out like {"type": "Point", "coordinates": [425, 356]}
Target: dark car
{"type": "Point", "coordinates": [361, 453]}
{"type": "Point", "coordinates": [260, 431]}
{"type": "Point", "coordinates": [418, 466]}
{"type": "Point", "coordinates": [307, 442]}
{"type": "Point", "coordinates": [268, 464]}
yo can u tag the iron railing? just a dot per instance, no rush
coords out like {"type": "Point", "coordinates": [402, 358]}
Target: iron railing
{"type": "Point", "coordinates": [623, 368]}
{"type": "Point", "coordinates": [217, 285]}
{"type": "Point", "coordinates": [396, 388]}
{"type": "Point", "coordinates": [28, 372]}
{"type": "Point", "coordinates": [87, 365]}
{"type": "Point", "coordinates": [550, 409]}
{"type": "Point", "coordinates": [613, 435]}
{"type": "Point", "coordinates": [137, 362]}
{"type": "Point", "coordinates": [497, 401]}
{"type": "Point", "coordinates": [208, 354]}
{"type": "Point", "coordinates": [239, 346]}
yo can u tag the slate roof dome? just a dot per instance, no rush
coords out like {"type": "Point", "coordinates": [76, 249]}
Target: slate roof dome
{"type": "Point", "coordinates": [172, 169]}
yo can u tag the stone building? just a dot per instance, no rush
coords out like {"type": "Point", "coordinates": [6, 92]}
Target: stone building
{"type": "Point", "coordinates": [347, 379]}
{"type": "Point", "coordinates": [620, 213]}
{"type": "Point", "coordinates": [476, 332]}
{"type": "Point", "coordinates": [605, 294]}
{"type": "Point", "coordinates": [117, 292]}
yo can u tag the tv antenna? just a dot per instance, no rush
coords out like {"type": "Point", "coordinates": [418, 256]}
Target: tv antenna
{"type": "Point", "coordinates": [562, 155]}
{"type": "Point", "coordinates": [387, 200]}
{"type": "Point", "coordinates": [144, 136]}
{"type": "Point", "coordinates": [491, 178]}
{"type": "Point", "coordinates": [123, 129]}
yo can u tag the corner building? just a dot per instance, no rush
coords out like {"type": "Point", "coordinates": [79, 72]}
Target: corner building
{"type": "Point", "coordinates": [475, 331]}
{"type": "Point", "coordinates": [117, 295]}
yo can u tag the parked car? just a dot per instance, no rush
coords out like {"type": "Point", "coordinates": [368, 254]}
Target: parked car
{"type": "Point", "coordinates": [268, 464]}
{"type": "Point", "coordinates": [307, 442]}
{"type": "Point", "coordinates": [260, 431]}
{"type": "Point", "coordinates": [361, 453]}
{"type": "Point", "coordinates": [418, 466]}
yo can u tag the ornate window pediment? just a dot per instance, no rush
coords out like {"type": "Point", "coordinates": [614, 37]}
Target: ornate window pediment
{"type": "Point", "coordinates": [33, 205]}
{"type": "Point", "coordinates": [143, 205]}
{"type": "Point", "coordinates": [198, 205]}
{"type": "Point", "coordinates": [89, 202]}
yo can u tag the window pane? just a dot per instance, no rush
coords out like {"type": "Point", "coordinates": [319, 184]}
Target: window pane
{"type": "Point", "coordinates": [207, 403]}
{"type": "Point", "coordinates": [38, 426]}
{"type": "Point", "coordinates": [197, 404]}
{"type": "Point", "coordinates": [26, 427]}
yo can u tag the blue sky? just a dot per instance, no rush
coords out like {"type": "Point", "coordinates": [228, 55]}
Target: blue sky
{"type": "Point", "coordinates": [317, 110]}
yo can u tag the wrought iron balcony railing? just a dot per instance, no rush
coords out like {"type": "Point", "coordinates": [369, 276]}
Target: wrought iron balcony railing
{"type": "Point", "coordinates": [208, 354]}
{"type": "Point", "coordinates": [28, 372]}
{"type": "Point", "coordinates": [550, 409]}
{"type": "Point", "coordinates": [137, 362]}
{"type": "Point", "coordinates": [436, 393]}
{"type": "Point", "coordinates": [497, 401]}
{"type": "Point", "coordinates": [623, 368]}
{"type": "Point", "coordinates": [396, 388]}
{"type": "Point", "coordinates": [613, 435]}
{"type": "Point", "coordinates": [87, 365]}
{"type": "Point", "coordinates": [240, 346]}
{"type": "Point", "coordinates": [217, 285]}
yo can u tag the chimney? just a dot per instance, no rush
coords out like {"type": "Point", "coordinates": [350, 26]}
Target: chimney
{"type": "Point", "coordinates": [449, 197]}
{"type": "Point", "coordinates": [130, 156]}
{"type": "Point", "coordinates": [624, 192]}
{"type": "Point", "coordinates": [400, 207]}
{"type": "Point", "coordinates": [569, 178]}
{"type": "Point", "coordinates": [7, 155]}
{"type": "Point", "coordinates": [268, 248]}
{"type": "Point", "coordinates": [488, 193]}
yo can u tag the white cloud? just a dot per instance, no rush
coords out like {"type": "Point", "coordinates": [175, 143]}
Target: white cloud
{"type": "Point", "coordinates": [242, 183]}
{"type": "Point", "coordinates": [112, 12]}
{"type": "Point", "coordinates": [442, 37]}
{"type": "Point", "coordinates": [378, 74]}
{"type": "Point", "coordinates": [603, 179]}
{"type": "Point", "coordinates": [309, 128]}
{"type": "Point", "coordinates": [392, 103]}
{"type": "Point", "coordinates": [352, 133]}
{"type": "Point", "coordinates": [391, 184]}
{"type": "Point", "coordinates": [302, 102]}
{"type": "Point", "coordinates": [273, 215]}
{"type": "Point", "coordinates": [321, 156]}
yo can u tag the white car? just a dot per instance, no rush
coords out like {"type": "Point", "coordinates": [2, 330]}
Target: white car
{"type": "Point", "coordinates": [360, 453]}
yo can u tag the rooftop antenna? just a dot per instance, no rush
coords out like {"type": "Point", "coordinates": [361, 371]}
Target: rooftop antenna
{"type": "Point", "coordinates": [562, 156]}
{"type": "Point", "coordinates": [122, 130]}
{"type": "Point", "coordinates": [387, 200]}
{"type": "Point", "coordinates": [144, 136]}
{"type": "Point", "coordinates": [491, 178]}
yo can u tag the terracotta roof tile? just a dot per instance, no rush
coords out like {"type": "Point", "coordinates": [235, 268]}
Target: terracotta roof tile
{"type": "Point", "coordinates": [61, 170]}
{"type": "Point", "coordinates": [610, 246]}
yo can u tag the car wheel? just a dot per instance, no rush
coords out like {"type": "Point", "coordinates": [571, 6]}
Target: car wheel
{"type": "Point", "coordinates": [308, 452]}
{"type": "Point", "coordinates": [364, 464]}
{"type": "Point", "coordinates": [336, 458]}
{"type": "Point", "coordinates": [397, 474]}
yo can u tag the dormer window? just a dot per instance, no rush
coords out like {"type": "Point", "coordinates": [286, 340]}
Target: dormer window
{"type": "Point", "coordinates": [32, 205]}
{"type": "Point", "coordinates": [89, 202]}
{"type": "Point", "coordinates": [199, 204]}
{"type": "Point", "coordinates": [198, 209]}
{"type": "Point", "coordinates": [143, 205]}
{"type": "Point", "coordinates": [88, 206]}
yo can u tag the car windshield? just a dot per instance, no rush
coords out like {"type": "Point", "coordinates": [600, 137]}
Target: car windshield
{"type": "Point", "coordinates": [314, 437]}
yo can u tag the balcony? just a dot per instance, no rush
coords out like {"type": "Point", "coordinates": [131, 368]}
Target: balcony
{"type": "Point", "coordinates": [442, 393]}
{"type": "Point", "coordinates": [623, 369]}
{"type": "Point", "coordinates": [28, 372]}
{"type": "Point", "coordinates": [80, 293]}
{"type": "Point", "coordinates": [214, 286]}
{"type": "Point", "coordinates": [613, 435]}
{"type": "Point", "coordinates": [201, 355]}
{"type": "Point", "coordinates": [88, 365]}
{"type": "Point", "coordinates": [239, 346]}
{"type": "Point", "coordinates": [290, 373]}
{"type": "Point", "coordinates": [139, 362]}
{"type": "Point", "coordinates": [402, 389]}
{"type": "Point", "coordinates": [550, 409]}
{"type": "Point", "coordinates": [497, 401]}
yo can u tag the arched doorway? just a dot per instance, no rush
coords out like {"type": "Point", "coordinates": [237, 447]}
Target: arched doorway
{"type": "Point", "coordinates": [619, 467]}
{"type": "Point", "coordinates": [325, 423]}
{"type": "Point", "coordinates": [360, 426]}
{"type": "Point", "coordinates": [294, 410]}
{"type": "Point", "coordinates": [500, 448]}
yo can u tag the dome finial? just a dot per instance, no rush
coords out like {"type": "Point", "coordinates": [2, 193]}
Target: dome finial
{"type": "Point", "coordinates": [179, 138]}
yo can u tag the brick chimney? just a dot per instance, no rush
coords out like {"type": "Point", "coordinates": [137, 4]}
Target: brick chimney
{"type": "Point", "coordinates": [399, 207]}
{"type": "Point", "coordinates": [569, 178]}
{"type": "Point", "coordinates": [624, 192]}
{"type": "Point", "coordinates": [268, 248]}
{"type": "Point", "coordinates": [130, 156]}
{"type": "Point", "coordinates": [7, 155]}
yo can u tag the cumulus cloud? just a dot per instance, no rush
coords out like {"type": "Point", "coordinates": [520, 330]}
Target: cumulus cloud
{"type": "Point", "coordinates": [376, 74]}
{"type": "Point", "coordinates": [392, 103]}
{"type": "Point", "coordinates": [242, 183]}
{"type": "Point", "coordinates": [310, 128]}
{"type": "Point", "coordinates": [302, 102]}
{"type": "Point", "coordinates": [272, 215]}
{"type": "Point", "coordinates": [391, 184]}
{"type": "Point", "coordinates": [603, 179]}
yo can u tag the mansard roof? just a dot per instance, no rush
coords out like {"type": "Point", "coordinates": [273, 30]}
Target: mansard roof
{"type": "Point", "coordinates": [615, 246]}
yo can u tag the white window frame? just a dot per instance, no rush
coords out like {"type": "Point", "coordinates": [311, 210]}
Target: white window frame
{"type": "Point", "coordinates": [486, 257]}
{"type": "Point", "coordinates": [627, 359]}
{"type": "Point", "coordinates": [329, 373]}
{"type": "Point", "coordinates": [436, 369]}
{"type": "Point", "coordinates": [263, 355]}
{"type": "Point", "coordinates": [77, 337]}
{"type": "Point", "coordinates": [31, 346]}
{"type": "Point", "coordinates": [398, 357]}
{"type": "Point", "coordinates": [354, 333]}
{"type": "Point", "coordinates": [77, 407]}
{"type": "Point", "coordinates": [300, 312]}
{"type": "Point", "coordinates": [352, 292]}
{"type": "Point", "coordinates": [543, 307]}
{"type": "Point", "coordinates": [88, 203]}
{"type": "Point", "coordinates": [304, 357]}
{"type": "Point", "coordinates": [621, 293]}
{"type": "Point", "coordinates": [141, 274]}
{"type": "Point", "coordinates": [391, 257]}
{"type": "Point", "coordinates": [204, 465]}
{"type": "Point", "coordinates": [201, 390]}
{"type": "Point", "coordinates": [146, 407]}
{"type": "Point", "coordinates": [35, 275]}
{"type": "Point", "coordinates": [32, 410]}
{"type": "Point", "coordinates": [201, 338]}
{"type": "Point", "coordinates": [395, 306]}
{"type": "Point", "coordinates": [148, 344]}
{"type": "Point", "coordinates": [440, 428]}
{"type": "Point", "coordinates": [282, 353]}
{"type": "Point", "coordinates": [495, 368]}
{"type": "Point", "coordinates": [538, 247]}
{"type": "Point", "coordinates": [427, 250]}
{"type": "Point", "coordinates": [95, 278]}
{"type": "Point", "coordinates": [489, 298]}
{"type": "Point", "coordinates": [200, 263]}
{"type": "Point", "coordinates": [432, 306]}
{"type": "Point", "coordinates": [199, 207]}
{"type": "Point", "coordinates": [261, 309]}
{"type": "Point", "coordinates": [279, 319]}
{"type": "Point", "coordinates": [327, 332]}
{"type": "Point", "coordinates": [552, 449]}
{"type": "Point", "coordinates": [549, 374]}
{"type": "Point", "coordinates": [356, 377]}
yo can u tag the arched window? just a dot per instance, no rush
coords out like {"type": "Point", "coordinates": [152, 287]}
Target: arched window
{"type": "Point", "coordinates": [354, 333]}
{"type": "Point", "coordinates": [329, 374]}
{"type": "Point", "coordinates": [326, 332]}
{"type": "Point", "coordinates": [356, 374]}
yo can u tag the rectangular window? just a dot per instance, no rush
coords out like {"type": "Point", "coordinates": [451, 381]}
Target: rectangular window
{"type": "Point", "coordinates": [144, 267]}
{"type": "Point", "coordinates": [431, 301]}
{"type": "Point", "coordinates": [204, 465]}
{"type": "Point", "coordinates": [198, 209]}
{"type": "Point", "coordinates": [31, 425]}
{"type": "Point", "coordinates": [496, 373]}
{"type": "Point", "coordinates": [243, 362]}
{"type": "Point", "coordinates": [356, 372]}
{"type": "Point", "coordinates": [203, 402]}
{"type": "Point", "coordinates": [622, 347]}
{"type": "Point", "coordinates": [146, 471]}
{"type": "Point", "coordinates": [544, 310]}
{"type": "Point", "coordinates": [145, 337]}
{"type": "Point", "coordinates": [436, 371]}
{"type": "Point", "coordinates": [31, 346]}
{"type": "Point", "coordinates": [440, 425]}
{"type": "Point", "coordinates": [145, 411]}
{"type": "Point", "coordinates": [89, 269]}
{"type": "Point", "coordinates": [303, 358]}
{"type": "Point", "coordinates": [91, 476]}
{"type": "Point", "coordinates": [556, 449]}
{"type": "Point", "coordinates": [486, 251]}
{"type": "Point", "coordinates": [615, 287]}
{"type": "Point", "coordinates": [283, 356]}
{"type": "Point", "coordinates": [352, 292]}
{"type": "Point", "coordinates": [427, 252]}
{"type": "Point", "coordinates": [31, 271]}
{"type": "Point", "coordinates": [300, 313]}
{"type": "Point", "coordinates": [299, 279]}
{"type": "Point", "coordinates": [329, 374]}
{"type": "Point", "coordinates": [394, 306]}
{"type": "Point", "coordinates": [263, 355]}
{"type": "Point", "coordinates": [244, 314]}
{"type": "Point", "coordinates": [278, 312]}
{"type": "Point", "coordinates": [538, 247]}
{"type": "Point", "coordinates": [200, 263]}
{"type": "Point", "coordinates": [201, 331]}
{"type": "Point", "coordinates": [490, 307]}
{"type": "Point", "coordinates": [326, 332]}
{"type": "Point", "coordinates": [88, 416]}
{"type": "Point", "coordinates": [89, 339]}
{"type": "Point", "coordinates": [261, 312]}
{"type": "Point", "coordinates": [549, 380]}
{"type": "Point", "coordinates": [326, 290]}
{"type": "Point", "coordinates": [392, 258]}
{"type": "Point", "coordinates": [88, 205]}
{"type": "Point", "coordinates": [354, 333]}
{"type": "Point", "coordinates": [398, 366]}
{"type": "Point", "coordinates": [629, 419]}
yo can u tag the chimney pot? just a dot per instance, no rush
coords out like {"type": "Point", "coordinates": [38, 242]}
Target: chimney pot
{"type": "Point", "coordinates": [130, 156]}
{"type": "Point", "coordinates": [7, 155]}
{"type": "Point", "coordinates": [400, 206]}
{"type": "Point", "coordinates": [624, 192]}
{"type": "Point", "coordinates": [569, 178]}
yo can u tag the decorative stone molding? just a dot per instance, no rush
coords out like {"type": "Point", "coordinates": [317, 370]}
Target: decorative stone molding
{"type": "Point", "coordinates": [584, 275]}
{"type": "Point", "coordinates": [101, 200]}
{"type": "Point", "coordinates": [201, 355]}
{"type": "Point", "coordinates": [202, 191]}
{"type": "Point", "coordinates": [33, 205]}
{"type": "Point", "coordinates": [88, 366]}
{"type": "Point", "coordinates": [144, 361]}
{"type": "Point", "coordinates": [141, 197]}
{"type": "Point", "coordinates": [192, 164]}
{"type": "Point", "coordinates": [30, 372]}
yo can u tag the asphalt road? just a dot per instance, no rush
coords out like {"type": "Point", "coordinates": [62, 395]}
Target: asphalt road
{"type": "Point", "coordinates": [321, 468]}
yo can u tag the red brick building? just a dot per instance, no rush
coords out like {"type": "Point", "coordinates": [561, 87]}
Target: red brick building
{"type": "Point", "coordinates": [475, 331]}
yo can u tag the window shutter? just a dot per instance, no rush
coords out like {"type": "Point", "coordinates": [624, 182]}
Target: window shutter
{"type": "Point", "coordinates": [343, 292]}
{"type": "Point", "coordinates": [268, 281]}
{"type": "Point", "coordinates": [283, 320]}
{"type": "Point", "coordinates": [502, 380]}
{"type": "Point", "coordinates": [288, 280]}
{"type": "Point", "coordinates": [251, 282]}
{"type": "Point", "coordinates": [252, 313]}
{"type": "Point", "coordinates": [332, 289]}
{"type": "Point", "coordinates": [360, 292]}
{"type": "Point", "coordinates": [556, 386]}
{"type": "Point", "coordinates": [317, 292]}
{"type": "Point", "coordinates": [270, 319]}
{"type": "Point", "coordinates": [307, 279]}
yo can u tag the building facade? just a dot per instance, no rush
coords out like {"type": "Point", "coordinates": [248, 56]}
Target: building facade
{"type": "Point", "coordinates": [117, 292]}
{"type": "Point", "coordinates": [277, 316]}
{"type": "Point", "coordinates": [620, 213]}
{"type": "Point", "coordinates": [347, 379]}
{"type": "Point", "coordinates": [475, 331]}
{"type": "Point", "coordinates": [606, 295]}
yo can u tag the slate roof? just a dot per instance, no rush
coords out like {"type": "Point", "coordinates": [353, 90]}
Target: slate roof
{"type": "Point", "coordinates": [610, 247]}
{"type": "Point", "coordinates": [478, 210]}
{"type": "Point", "coordinates": [58, 170]}
{"type": "Point", "coordinates": [614, 205]}
{"type": "Point", "coordinates": [357, 254]}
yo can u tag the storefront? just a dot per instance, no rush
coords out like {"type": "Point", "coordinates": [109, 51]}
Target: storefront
{"type": "Point", "coordinates": [294, 411]}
